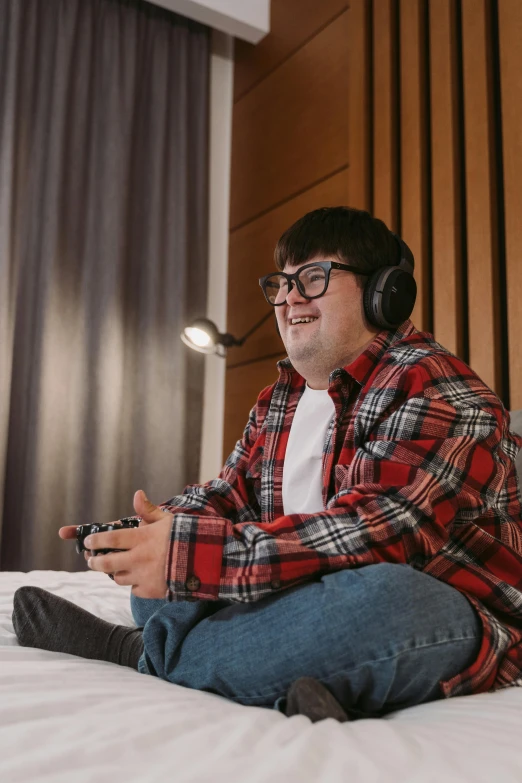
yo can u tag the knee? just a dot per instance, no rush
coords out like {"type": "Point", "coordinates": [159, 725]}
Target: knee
{"type": "Point", "coordinates": [395, 597]}
{"type": "Point", "coordinates": [372, 580]}
{"type": "Point", "coordinates": [379, 591]}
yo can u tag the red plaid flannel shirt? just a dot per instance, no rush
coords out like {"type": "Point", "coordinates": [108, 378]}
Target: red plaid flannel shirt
{"type": "Point", "coordinates": [418, 468]}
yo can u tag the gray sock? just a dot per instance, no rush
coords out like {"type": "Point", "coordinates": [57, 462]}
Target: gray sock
{"type": "Point", "coordinates": [310, 697]}
{"type": "Point", "coordinates": [42, 619]}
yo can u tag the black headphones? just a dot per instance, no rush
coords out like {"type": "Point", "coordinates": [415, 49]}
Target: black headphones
{"type": "Point", "coordinates": [390, 293]}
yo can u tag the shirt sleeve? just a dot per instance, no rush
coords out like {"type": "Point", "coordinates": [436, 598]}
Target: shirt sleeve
{"type": "Point", "coordinates": [420, 468]}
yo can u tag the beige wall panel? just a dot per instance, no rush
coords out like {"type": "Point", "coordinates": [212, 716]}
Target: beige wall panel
{"type": "Point", "coordinates": [510, 30]}
{"type": "Point", "coordinates": [414, 173]}
{"type": "Point", "coordinates": [243, 385]}
{"type": "Point", "coordinates": [359, 103]}
{"type": "Point", "coordinates": [291, 130]}
{"type": "Point", "coordinates": [385, 108]}
{"type": "Point", "coordinates": [251, 256]}
{"type": "Point", "coordinates": [447, 261]}
{"type": "Point", "coordinates": [292, 23]}
{"type": "Point", "coordinates": [483, 289]}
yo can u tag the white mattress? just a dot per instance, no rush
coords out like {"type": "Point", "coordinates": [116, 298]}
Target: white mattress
{"type": "Point", "coordinates": [64, 718]}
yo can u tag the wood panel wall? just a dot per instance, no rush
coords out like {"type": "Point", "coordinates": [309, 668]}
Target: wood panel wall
{"type": "Point", "coordinates": [410, 109]}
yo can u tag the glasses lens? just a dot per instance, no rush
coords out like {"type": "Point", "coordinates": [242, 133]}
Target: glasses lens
{"type": "Point", "coordinates": [276, 289]}
{"type": "Point", "coordinates": [312, 280]}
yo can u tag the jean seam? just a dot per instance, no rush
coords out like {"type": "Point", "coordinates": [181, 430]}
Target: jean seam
{"type": "Point", "coordinates": [331, 677]}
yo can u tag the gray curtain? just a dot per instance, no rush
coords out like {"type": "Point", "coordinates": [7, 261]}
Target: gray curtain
{"type": "Point", "coordinates": [103, 259]}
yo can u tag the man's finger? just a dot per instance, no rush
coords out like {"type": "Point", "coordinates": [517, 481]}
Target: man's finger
{"type": "Point", "coordinates": [147, 511]}
{"type": "Point", "coordinates": [67, 532]}
{"type": "Point", "coordinates": [111, 563]}
{"type": "Point", "coordinates": [112, 539]}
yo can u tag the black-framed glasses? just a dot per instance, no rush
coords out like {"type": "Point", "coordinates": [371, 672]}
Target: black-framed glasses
{"type": "Point", "coordinates": [311, 280]}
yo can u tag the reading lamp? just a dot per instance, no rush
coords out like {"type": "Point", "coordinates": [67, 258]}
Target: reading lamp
{"type": "Point", "coordinates": [203, 335]}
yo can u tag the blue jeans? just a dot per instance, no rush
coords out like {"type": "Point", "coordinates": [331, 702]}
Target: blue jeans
{"type": "Point", "coordinates": [381, 638]}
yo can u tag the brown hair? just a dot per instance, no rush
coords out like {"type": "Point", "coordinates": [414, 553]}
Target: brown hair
{"type": "Point", "coordinates": [351, 235]}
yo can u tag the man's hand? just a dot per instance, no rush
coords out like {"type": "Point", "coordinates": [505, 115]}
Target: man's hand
{"type": "Point", "coordinates": [143, 565]}
{"type": "Point", "coordinates": [69, 531]}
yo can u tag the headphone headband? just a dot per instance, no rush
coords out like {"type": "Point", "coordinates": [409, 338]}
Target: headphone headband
{"type": "Point", "coordinates": [405, 254]}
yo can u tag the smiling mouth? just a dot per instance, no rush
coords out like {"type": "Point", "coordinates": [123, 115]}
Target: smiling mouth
{"type": "Point", "coordinates": [302, 321]}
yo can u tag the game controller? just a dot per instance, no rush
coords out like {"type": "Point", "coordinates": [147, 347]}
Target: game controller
{"type": "Point", "coordinates": [82, 531]}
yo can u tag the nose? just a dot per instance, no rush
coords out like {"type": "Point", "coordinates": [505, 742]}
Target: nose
{"type": "Point", "coordinates": [294, 296]}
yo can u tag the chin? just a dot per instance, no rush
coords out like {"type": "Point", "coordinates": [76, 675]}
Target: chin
{"type": "Point", "coordinates": [303, 357]}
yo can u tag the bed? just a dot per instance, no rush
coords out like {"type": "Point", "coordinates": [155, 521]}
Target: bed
{"type": "Point", "coordinates": [65, 718]}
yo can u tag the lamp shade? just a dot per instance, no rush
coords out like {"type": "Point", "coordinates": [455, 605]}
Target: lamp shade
{"type": "Point", "coordinates": [202, 335]}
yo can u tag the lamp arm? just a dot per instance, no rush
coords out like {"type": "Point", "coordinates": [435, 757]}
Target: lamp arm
{"type": "Point", "coordinates": [253, 329]}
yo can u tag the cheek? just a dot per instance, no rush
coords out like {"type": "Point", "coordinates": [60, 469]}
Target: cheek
{"type": "Point", "coordinates": [280, 318]}
{"type": "Point", "coordinates": [337, 325]}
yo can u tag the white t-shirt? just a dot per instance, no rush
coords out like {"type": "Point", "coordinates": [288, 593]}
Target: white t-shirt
{"type": "Point", "coordinates": [302, 469]}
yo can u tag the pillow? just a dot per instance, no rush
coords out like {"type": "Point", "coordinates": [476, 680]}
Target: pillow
{"type": "Point", "coordinates": [516, 426]}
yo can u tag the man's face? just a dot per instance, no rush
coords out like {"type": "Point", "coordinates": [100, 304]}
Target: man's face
{"type": "Point", "coordinates": [337, 336]}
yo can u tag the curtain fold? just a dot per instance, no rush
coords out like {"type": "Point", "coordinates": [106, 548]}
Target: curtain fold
{"type": "Point", "coordinates": [103, 259]}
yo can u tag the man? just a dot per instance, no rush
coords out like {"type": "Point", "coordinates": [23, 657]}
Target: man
{"type": "Point", "coordinates": [361, 550]}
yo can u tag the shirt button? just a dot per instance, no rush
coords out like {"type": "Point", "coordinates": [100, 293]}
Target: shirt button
{"type": "Point", "coordinates": [275, 584]}
{"type": "Point", "coordinates": [193, 584]}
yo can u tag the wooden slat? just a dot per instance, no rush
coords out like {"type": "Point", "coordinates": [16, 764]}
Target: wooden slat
{"type": "Point", "coordinates": [291, 130]}
{"type": "Point", "coordinates": [446, 185]}
{"type": "Point", "coordinates": [251, 256]}
{"type": "Point", "coordinates": [359, 104]}
{"type": "Point", "coordinates": [483, 280]}
{"type": "Point", "coordinates": [292, 23]}
{"type": "Point", "coordinates": [414, 164]}
{"type": "Point", "coordinates": [510, 34]}
{"type": "Point", "coordinates": [385, 108]}
{"type": "Point", "coordinates": [243, 385]}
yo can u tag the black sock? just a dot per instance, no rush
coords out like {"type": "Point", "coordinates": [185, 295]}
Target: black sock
{"type": "Point", "coordinates": [49, 622]}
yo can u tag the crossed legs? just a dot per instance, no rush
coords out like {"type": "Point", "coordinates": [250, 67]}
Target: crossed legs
{"type": "Point", "coordinates": [380, 638]}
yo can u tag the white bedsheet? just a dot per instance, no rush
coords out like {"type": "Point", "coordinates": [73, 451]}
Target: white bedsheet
{"type": "Point", "coordinates": [64, 718]}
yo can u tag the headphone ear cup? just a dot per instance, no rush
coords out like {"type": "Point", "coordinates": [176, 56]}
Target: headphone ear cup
{"type": "Point", "coordinates": [389, 297]}
{"type": "Point", "coordinates": [399, 292]}
{"type": "Point", "coordinates": [369, 298]}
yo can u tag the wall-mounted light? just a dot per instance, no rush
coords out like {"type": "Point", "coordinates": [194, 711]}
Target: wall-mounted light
{"type": "Point", "coordinates": [203, 335]}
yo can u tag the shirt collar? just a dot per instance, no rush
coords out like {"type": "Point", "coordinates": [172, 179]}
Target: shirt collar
{"type": "Point", "coordinates": [362, 367]}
